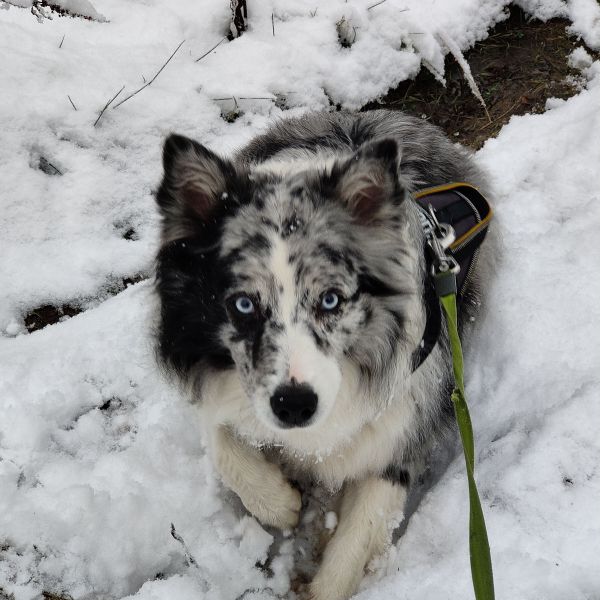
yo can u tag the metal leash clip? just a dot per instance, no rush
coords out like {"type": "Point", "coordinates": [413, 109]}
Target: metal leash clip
{"type": "Point", "coordinates": [443, 232]}
{"type": "Point", "coordinates": [443, 267]}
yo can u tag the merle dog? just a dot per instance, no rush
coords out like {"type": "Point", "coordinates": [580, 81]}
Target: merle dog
{"type": "Point", "coordinates": [291, 285]}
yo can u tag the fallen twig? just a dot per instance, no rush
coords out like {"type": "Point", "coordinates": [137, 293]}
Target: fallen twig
{"type": "Point", "coordinates": [209, 51]}
{"type": "Point", "coordinates": [61, 41]}
{"type": "Point", "coordinates": [152, 80]}
{"type": "Point", "coordinates": [188, 555]}
{"type": "Point", "coordinates": [382, 1]}
{"type": "Point", "coordinates": [71, 101]}
{"type": "Point", "coordinates": [242, 98]}
{"type": "Point", "coordinates": [107, 105]}
{"type": "Point", "coordinates": [273, 23]}
{"type": "Point", "coordinates": [376, 4]}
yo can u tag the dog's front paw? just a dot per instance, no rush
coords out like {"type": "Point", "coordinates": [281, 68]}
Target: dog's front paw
{"type": "Point", "coordinates": [334, 585]}
{"type": "Point", "coordinates": [274, 502]}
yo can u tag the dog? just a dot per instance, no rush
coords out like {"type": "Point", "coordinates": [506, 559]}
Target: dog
{"type": "Point", "coordinates": [291, 279]}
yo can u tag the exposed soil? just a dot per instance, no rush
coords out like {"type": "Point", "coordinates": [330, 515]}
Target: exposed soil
{"type": "Point", "coordinates": [48, 314]}
{"type": "Point", "coordinates": [41, 316]}
{"type": "Point", "coordinates": [517, 68]}
{"type": "Point", "coordinates": [55, 9]}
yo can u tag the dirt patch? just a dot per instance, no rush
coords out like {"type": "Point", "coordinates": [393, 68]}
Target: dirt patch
{"type": "Point", "coordinates": [49, 314]}
{"type": "Point", "coordinates": [42, 9]}
{"type": "Point", "coordinates": [517, 68]}
{"type": "Point", "coordinates": [39, 317]}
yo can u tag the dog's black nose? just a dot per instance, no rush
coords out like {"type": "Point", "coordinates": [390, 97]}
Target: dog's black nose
{"type": "Point", "coordinates": [294, 405]}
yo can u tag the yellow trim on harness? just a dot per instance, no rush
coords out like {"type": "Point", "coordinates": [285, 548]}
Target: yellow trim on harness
{"type": "Point", "coordinates": [450, 186]}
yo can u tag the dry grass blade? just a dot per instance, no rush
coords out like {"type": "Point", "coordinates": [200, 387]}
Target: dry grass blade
{"type": "Point", "coordinates": [376, 4]}
{"type": "Point", "coordinates": [464, 65]}
{"type": "Point", "coordinates": [509, 109]}
{"type": "Point", "coordinates": [243, 98]}
{"type": "Point", "coordinates": [107, 105]}
{"type": "Point", "coordinates": [213, 48]}
{"type": "Point", "coordinates": [152, 80]}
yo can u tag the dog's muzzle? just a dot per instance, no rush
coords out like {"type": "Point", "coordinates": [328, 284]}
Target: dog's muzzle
{"type": "Point", "coordinates": [294, 405]}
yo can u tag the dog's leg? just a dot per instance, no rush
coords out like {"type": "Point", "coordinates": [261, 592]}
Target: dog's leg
{"type": "Point", "coordinates": [363, 532]}
{"type": "Point", "coordinates": [260, 484]}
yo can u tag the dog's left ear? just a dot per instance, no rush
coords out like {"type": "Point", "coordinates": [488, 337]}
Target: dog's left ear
{"type": "Point", "coordinates": [368, 181]}
{"type": "Point", "coordinates": [194, 182]}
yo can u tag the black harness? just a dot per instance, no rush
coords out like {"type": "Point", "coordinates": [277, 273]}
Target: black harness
{"type": "Point", "coordinates": [455, 218]}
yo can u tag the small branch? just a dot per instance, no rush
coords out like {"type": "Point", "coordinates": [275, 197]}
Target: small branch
{"type": "Point", "coordinates": [381, 2]}
{"type": "Point", "coordinates": [213, 48]}
{"type": "Point", "coordinates": [273, 23]}
{"type": "Point", "coordinates": [61, 41]}
{"type": "Point", "coordinates": [107, 105]}
{"type": "Point", "coordinates": [71, 101]}
{"type": "Point", "coordinates": [188, 555]}
{"type": "Point", "coordinates": [152, 80]}
{"type": "Point", "coordinates": [242, 98]}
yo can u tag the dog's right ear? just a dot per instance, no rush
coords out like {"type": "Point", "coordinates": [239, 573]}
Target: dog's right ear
{"type": "Point", "coordinates": [193, 184]}
{"type": "Point", "coordinates": [367, 183]}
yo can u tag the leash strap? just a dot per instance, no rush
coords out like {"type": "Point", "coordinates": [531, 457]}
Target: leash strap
{"type": "Point", "coordinates": [444, 276]}
{"type": "Point", "coordinates": [479, 548]}
{"type": "Point", "coordinates": [446, 257]}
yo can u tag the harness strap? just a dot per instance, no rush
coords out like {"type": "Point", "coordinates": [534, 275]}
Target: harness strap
{"type": "Point", "coordinates": [466, 213]}
{"type": "Point", "coordinates": [433, 319]}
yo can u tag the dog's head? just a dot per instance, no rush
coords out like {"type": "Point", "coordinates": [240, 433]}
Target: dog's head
{"type": "Point", "coordinates": [292, 280]}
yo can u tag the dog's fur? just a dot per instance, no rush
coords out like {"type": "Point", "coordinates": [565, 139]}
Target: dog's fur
{"type": "Point", "coordinates": [315, 204]}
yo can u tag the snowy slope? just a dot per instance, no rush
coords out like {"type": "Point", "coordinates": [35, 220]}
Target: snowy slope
{"type": "Point", "coordinates": [99, 456]}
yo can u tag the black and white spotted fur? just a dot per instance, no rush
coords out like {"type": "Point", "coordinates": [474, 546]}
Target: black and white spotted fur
{"type": "Point", "coordinates": [313, 213]}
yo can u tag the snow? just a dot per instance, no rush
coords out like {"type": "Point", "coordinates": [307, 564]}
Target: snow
{"type": "Point", "coordinates": [100, 456]}
{"type": "Point", "coordinates": [585, 15]}
{"type": "Point", "coordinates": [331, 520]}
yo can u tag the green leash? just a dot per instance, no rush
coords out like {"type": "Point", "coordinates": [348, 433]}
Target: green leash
{"type": "Point", "coordinates": [441, 237]}
{"type": "Point", "coordinates": [479, 549]}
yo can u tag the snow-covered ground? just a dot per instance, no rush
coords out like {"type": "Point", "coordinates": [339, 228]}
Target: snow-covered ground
{"type": "Point", "coordinates": [99, 456]}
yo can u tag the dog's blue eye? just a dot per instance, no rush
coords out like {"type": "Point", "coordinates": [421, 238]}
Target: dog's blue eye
{"type": "Point", "coordinates": [329, 301]}
{"type": "Point", "coordinates": [244, 305]}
